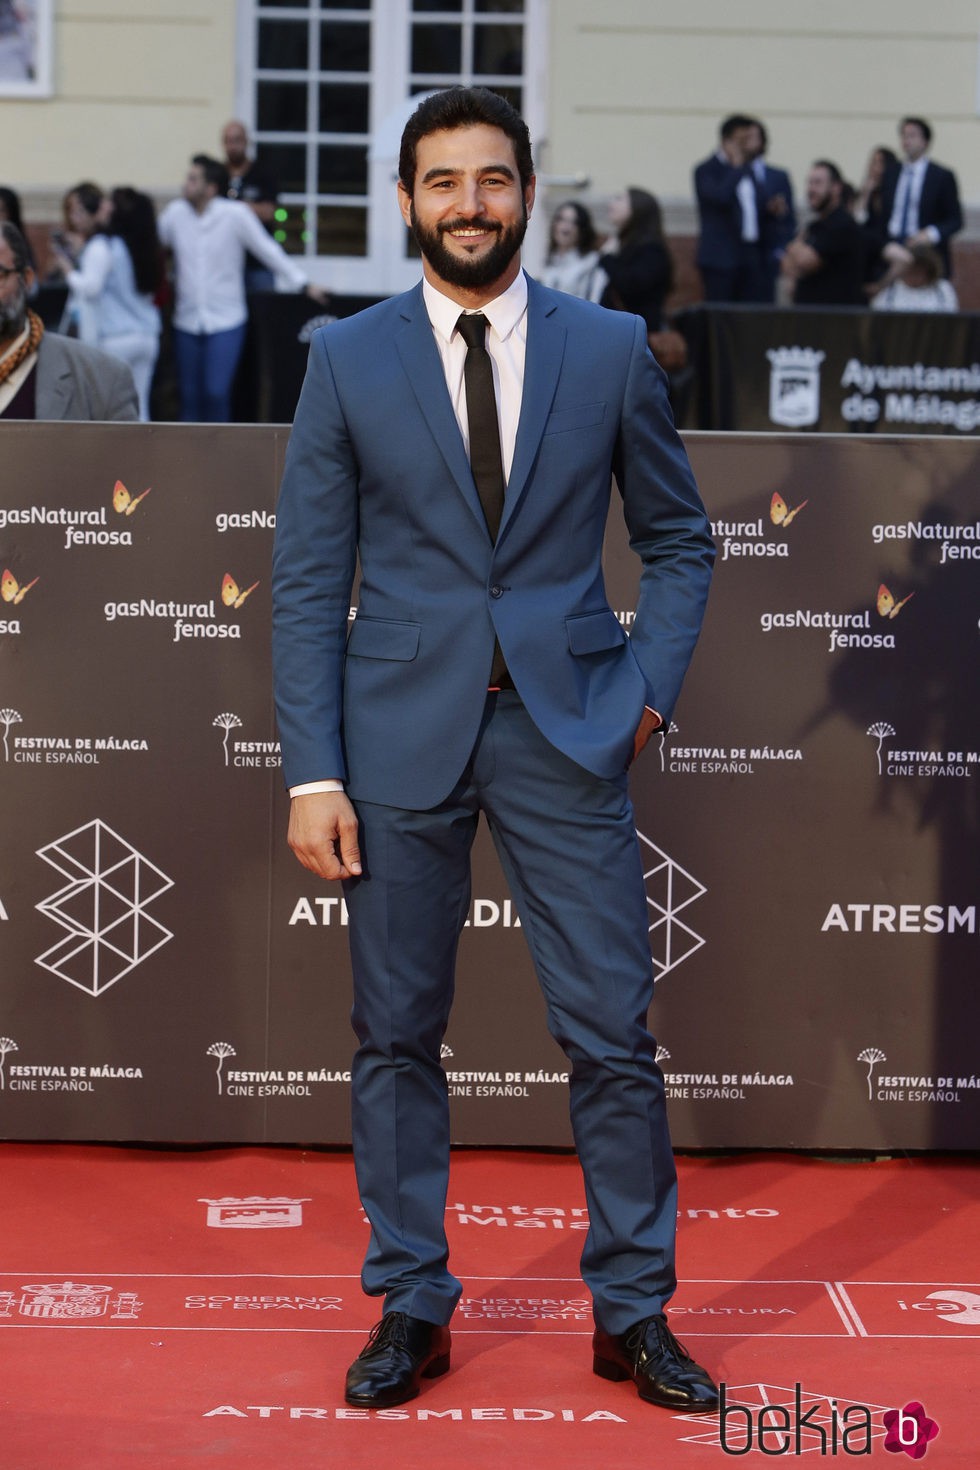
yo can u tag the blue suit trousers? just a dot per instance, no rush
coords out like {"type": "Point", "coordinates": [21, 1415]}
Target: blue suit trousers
{"type": "Point", "coordinates": [568, 846]}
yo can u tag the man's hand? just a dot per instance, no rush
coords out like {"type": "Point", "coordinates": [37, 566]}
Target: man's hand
{"type": "Point", "coordinates": [648, 724]}
{"type": "Point", "coordinates": [323, 834]}
{"type": "Point", "coordinates": [317, 294]}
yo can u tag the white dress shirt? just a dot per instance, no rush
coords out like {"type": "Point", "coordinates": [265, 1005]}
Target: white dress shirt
{"type": "Point", "coordinates": [209, 254]}
{"type": "Point", "coordinates": [749, 205]}
{"type": "Point", "coordinates": [909, 188]}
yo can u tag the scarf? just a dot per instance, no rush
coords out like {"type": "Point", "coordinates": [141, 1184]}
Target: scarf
{"type": "Point", "coordinates": [13, 360]}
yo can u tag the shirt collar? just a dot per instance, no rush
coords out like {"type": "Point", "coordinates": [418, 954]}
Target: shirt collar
{"type": "Point", "coordinates": [503, 312]}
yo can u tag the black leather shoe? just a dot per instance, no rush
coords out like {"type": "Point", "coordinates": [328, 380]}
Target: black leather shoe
{"type": "Point", "coordinates": [400, 1352]}
{"type": "Point", "coordinates": [662, 1369]}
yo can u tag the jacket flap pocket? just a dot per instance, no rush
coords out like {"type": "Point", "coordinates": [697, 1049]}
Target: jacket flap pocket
{"type": "Point", "coordinates": [575, 418]}
{"type": "Point", "coordinates": [595, 631]}
{"type": "Point", "coordinates": [382, 638]}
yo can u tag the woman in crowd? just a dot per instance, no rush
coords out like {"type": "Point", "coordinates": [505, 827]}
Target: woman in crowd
{"type": "Point", "coordinates": [636, 258]}
{"type": "Point", "coordinates": [573, 256]}
{"type": "Point", "coordinates": [84, 211]}
{"type": "Point", "coordinates": [916, 284]}
{"type": "Point", "coordinates": [115, 282]}
{"type": "Point", "coordinates": [867, 209]}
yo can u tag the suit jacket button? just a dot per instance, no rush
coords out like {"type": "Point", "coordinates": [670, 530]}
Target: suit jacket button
{"type": "Point", "coordinates": [496, 591]}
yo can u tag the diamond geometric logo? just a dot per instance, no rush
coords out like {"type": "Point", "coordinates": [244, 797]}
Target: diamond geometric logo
{"type": "Point", "coordinates": [670, 888]}
{"type": "Point", "coordinates": [102, 907]}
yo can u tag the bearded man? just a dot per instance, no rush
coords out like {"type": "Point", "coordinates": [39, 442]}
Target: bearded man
{"type": "Point", "coordinates": [42, 375]}
{"type": "Point", "coordinates": [461, 440]}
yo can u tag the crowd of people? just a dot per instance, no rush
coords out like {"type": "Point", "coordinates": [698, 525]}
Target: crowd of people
{"type": "Point", "coordinates": [111, 254]}
{"type": "Point", "coordinates": [883, 243]}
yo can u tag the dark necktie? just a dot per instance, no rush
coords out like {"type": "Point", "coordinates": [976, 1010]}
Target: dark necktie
{"type": "Point", "coordinates": [481, 413]}
{"type": "Point", "coordinates": [485, 458]}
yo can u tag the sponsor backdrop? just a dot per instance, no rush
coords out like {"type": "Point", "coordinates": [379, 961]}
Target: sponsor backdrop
{"type": "Point", "coordinates": [809, 824]}
{"type": "Point", "coordinates": [823, 370]}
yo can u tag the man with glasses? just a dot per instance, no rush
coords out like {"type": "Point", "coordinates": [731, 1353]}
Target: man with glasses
{"type": "Point", "coordinates": [42, 375]}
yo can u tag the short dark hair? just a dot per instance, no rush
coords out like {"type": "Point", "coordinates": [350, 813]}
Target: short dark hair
{"type": "Point", "coordinates": [89, 196]}
{"type": "Point", "coordinates": [464, 107]}
{"type": "Point", "coordinates": [214, 172]}
{"type": "Point", "coordinates": [733, 124]}
{"type": "Point", "coordinates": [917, 122]}
{"type": "Point", "coordinates": [18, 246]}
{"type": "Point", "coordinates": [836, 177]}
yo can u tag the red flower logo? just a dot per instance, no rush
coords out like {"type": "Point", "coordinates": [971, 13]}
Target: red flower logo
{"type": "Point", "coordinates": [909, 1429]}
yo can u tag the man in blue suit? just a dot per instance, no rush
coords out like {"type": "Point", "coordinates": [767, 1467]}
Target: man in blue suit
{"type": "Point", "coordinates": [732, 219]}
{"type": "Point", "coordinates": [461, 440]}
{"type": "Point", "coordinates": [920, 200]}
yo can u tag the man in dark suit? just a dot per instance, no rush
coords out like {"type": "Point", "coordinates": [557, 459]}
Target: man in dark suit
{"type": "Point", "coordinates": [920, 199]}
{"type": "Point", "coordinates": [461, 439]}
{"type": "Point", "coordinates": [44, 376]}
{"type": "Point", "coordinates": [731, 211]}
{"type": "Point", "coordinates": [777, 216]}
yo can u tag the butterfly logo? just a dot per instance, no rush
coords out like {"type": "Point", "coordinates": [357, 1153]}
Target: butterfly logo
{"type": "Point", "coordinates": [886, 604]}
{"type": "Point", "coordinates": [122, 502]}
{"type": "Point", "coordinates": [780, 513]}
{"type": "Point", "coordinates": [10, 588]}
{"type": "Point", "coordinates": [231, 593]}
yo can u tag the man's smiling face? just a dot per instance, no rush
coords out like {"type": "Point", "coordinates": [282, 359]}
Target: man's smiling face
{"type": "Point", "coordinates": [468, 211]}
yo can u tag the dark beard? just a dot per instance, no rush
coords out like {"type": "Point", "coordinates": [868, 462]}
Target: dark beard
{"type": "Point", "coordinates": [460, 271]}
{"type": "Point", "coordinates": [13, 315]}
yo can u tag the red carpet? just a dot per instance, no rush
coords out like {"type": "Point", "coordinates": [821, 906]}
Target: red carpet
{"type": "Point", "coordinates": [141, 1325]}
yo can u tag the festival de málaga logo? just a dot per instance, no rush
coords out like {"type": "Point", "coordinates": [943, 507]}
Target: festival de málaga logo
{"type": "Point", "coordinates": [906, 1088]}
{"type": "Point", "coordinates": [747, 539]}
{"type": "Point", "coordinates": [261, 754]}
{"type": "Point", "coordinates": [895, 761]}
{"type": "Point", "coordinates": [61, 749]}
{"type": "Point", "coordinates": [270, 1081]}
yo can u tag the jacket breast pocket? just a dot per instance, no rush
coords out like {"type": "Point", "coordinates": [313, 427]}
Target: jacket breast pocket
{"type": "Point", "coordinates": [585, 417]}
{"type": "Point", "coordinates": [594, 632]}
{"type": "Point", "coordinates": [383, 638]}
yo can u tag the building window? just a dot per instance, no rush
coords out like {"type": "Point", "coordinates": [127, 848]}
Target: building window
{"type": "Point", "coordinates": [326, 88]}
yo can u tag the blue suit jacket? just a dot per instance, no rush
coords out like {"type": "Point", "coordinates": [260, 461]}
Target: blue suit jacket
{"type": "Point", "coordinates": [716, 190]}
{"type": "Point", "coordinates": [376, 467]}
{"type": "Point", "coordinates": [939, 205]}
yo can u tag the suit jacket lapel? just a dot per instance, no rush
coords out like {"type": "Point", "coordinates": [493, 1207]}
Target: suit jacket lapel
{"type": "Point", "coordinates": [53, 382]}
{"type": "Point", "coordinates": [420, 359]}
{"type": "Point", "coordinates": [542, 368]}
